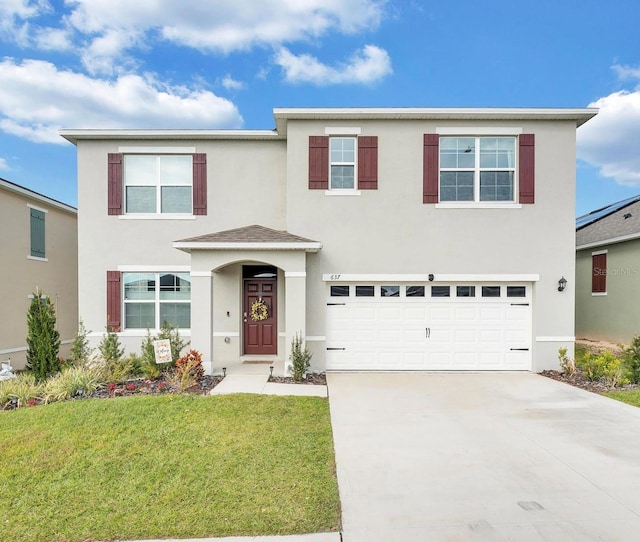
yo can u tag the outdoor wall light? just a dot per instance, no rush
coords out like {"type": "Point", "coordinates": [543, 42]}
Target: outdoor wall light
{"type": "Point", "coordinates": [270, 370]}
{"type": "Point", "coordinates": [562, 283]}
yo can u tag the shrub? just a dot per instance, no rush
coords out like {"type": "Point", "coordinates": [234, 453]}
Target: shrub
{"type": "Point", "coordinates": [300, 358]}
{"type": "Point", "coordinates": [80, 350]}
{"type": "Point", "coordinates": [43, 340]}
{"type": "Point", "coordinates": [148, 358]}
{"type": "Point", "coordinates": [605, 368]}
{"type": "Point", "coordinates": [110, 348]}
{"type": "Point", "coordinates": [73, 382]}
{"type": "Point", "coordinates": [23, 389]}
{"type": "Point", "coordinates": [119, 369]}
{"type": "Point", "coordinates": [567, 364]}
{"type": "Point", "coordinates": [632, 360]}
{"type": "Point", "coordinates": [191, 363]}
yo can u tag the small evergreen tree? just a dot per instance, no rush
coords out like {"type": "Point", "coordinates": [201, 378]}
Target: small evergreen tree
{"type": "Point", "coordinates": [300, 358]}
{"type": "Point", "coordinates": [43, 339]}
{"type": "Point", "coordinates": [80, 349]}
{"type": "Point", "coordinates": [110, 347]}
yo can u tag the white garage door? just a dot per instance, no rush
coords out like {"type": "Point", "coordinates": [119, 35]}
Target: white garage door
{"type": "Point", "coordinates": [449, 327]}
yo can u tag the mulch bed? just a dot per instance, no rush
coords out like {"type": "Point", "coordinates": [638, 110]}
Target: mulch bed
{"type": "Point", "coordinates": [142, 386]}
{"type": "Point", "coordinates": [579, 380]}
{"type": "Point", "coordinates": [318, 379]}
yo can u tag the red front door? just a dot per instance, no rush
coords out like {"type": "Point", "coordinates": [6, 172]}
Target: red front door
{"type": "Point", "coordinates": [260, 316]}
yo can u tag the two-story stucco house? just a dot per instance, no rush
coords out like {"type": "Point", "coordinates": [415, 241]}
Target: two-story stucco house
{"type": "Point", "coordinates": [39, 240]}
{"type": "Point", "coordinates": [391, 239]}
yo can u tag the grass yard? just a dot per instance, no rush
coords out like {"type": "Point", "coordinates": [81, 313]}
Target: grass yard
{"type": "Point", "coordinates": [631, 397]}
{"type": "Point", "coordinates": [173, 466]}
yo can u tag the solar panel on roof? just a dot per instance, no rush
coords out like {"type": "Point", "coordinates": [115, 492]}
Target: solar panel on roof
{"type": "Point", "coordinates": [596, 215]}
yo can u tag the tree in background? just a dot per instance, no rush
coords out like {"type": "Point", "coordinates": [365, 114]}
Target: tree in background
{"type": "Point", "coordinates": [43, 339]}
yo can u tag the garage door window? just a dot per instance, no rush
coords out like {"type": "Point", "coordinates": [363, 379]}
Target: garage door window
{"type": "Point", "coordinates": [440, 291]}
{"type": "Point", "coordinates": [390, 291]}
{"type": "Point", "coordinates": [465, 291]}
{"type": "Point", "coordinates": [365, 291]}
{"type": "Point", "coordinates": [516, 291]}
{"type": "Point", "coordinates": [491, 291]}
{"type": "Point", "coordinates": [414, 291]}
{"type": "Point", "coordinates": [340, 291]}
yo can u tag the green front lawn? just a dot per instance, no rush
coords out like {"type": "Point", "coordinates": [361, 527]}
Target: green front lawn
{"type": "Point", "coordinates": [631, 397]}
{"type": "Point", "coordinates": [174, 466]}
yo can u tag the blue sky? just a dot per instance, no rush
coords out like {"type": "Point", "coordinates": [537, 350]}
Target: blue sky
{"type": "Point", "coordinates": [228, 63]}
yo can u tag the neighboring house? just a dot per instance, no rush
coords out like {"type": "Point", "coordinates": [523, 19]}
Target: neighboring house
{"type": "Point", "coordinates": [608, 272]}
{"type": "Point", "coordinates": [39, 240]}
{"type": "Point", "coordinates": [391, 239]}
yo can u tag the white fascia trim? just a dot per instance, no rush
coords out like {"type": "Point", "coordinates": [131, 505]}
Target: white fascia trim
{"type": "Point", "coordinates": [308, 247]}
{"type": "Point", "coordinates": [313, 338]}
{"type": "Point", "coordinates": [154, 268]}
{"type": "Point", "coordinates": [36, 258]}
{"type": "Point", "coordinates": [550, 339]}
{"type": "Point", "coordinates": [611, 241]}
{"type": "Point", "coordinates": [11, 187]}
{"type": "Point", "coordinates": [37, 208]}
{"type": "Point", "coordinates": [295, 274]}
{"type": "Point", "coordinates": [138, 333]}
{"type": "Point", "coordinates": [480, 130]}
{"type": "Point", "coordinates": [73, 136]}
{"type": "Point", "coordinates": [156, 216]}
{"type": "Point", "coordinates": [342, 130]}
{"type": "Point", "coordinates": [205, 274]}
{"type": "Point", "coordinates": [599, 252]}
{"type": "Point", "coordinates": [339, 192]}
{"type": "Point", "coordinates": [157, 150]}
{"type": "Point", "coordinates": [226, 334]}
{"type": "Point", "coordinates": [347, 277]}
{"type": "Point", "coordinates": [474, 205]}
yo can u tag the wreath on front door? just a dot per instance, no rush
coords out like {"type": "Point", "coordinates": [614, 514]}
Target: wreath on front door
{"type": "Point", "coordinates": [259, 310]}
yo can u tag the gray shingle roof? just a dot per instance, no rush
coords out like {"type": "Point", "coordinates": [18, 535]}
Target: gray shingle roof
{"type": "Point", "coordinates": [248, 234]}
{"type": "Point", "coordinates": [612, 226]}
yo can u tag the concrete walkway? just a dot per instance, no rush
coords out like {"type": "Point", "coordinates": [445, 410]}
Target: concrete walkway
{"type": "Point", "coordinates": [483, 457]}
{"type": "Point", "coordinates": [250, 383]}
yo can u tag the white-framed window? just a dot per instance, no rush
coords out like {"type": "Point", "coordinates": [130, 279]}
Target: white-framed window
{"type": "Point", "coordinates": [153, 298]}
{"type": "Point", "coordinates": [158, 184]}
{"type": "Point", "coordinates": [342, 163]}
{"type": "Point", "coordinates": [478, 169]}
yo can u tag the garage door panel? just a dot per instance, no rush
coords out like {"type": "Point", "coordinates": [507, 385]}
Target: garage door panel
{"type": "Point", "coordinates": [428, 334]}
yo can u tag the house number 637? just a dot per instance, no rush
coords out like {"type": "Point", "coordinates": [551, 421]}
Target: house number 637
{"type": "Point", "coordinates": [334, 277]}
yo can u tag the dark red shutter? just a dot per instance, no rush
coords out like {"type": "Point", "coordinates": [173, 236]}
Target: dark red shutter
{"type": "Point", "coordinates": [114, 300]}
{"type": "Point", "coordinates": [430, 176]}
{"type": "Point", "coordinates": [200, 184]}
{"type": "Point", "coordinates": [527, 170]}
{"type": "Point", "coordinates": [114, 186]}
{"type": "Point", "coordinates": [599, 273]}
{"type": "Point", "coordinates": [319, 162]}
{"type": "Point", "coordinates": [368, 162]}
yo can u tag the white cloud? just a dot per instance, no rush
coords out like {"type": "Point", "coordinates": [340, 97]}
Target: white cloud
{"type": "Point", "coordinates": [37, 99]}
{"type": "Point", "coordinates": [53, 39]}
{"type": "Point", "coordinates": [626, 72]}
{"type": "Point", "coordinates": [24, 9]}
{"type": "Point", "coordinates": [610, 140]}
{"type": "Point", "coordinates": [230, 83]}
{"type": "Point", "coordinates": [366, 66]}
{"type": "Point", "coordinates": [221, 26]}
{"type": "Point", "coordinates": [3, 164]}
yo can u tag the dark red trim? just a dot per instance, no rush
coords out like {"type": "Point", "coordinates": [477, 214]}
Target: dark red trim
{"type": "Point", "coordinates": [368, 162]}
{"type": "Point", "coordinates": [114, 186]}
{"type": "Point", "coordinates": [527, 168]}
{"type": "Point", "coordinates": [319, 162]}
{"type": "Point", "coordinates": [114, 301]}
{"type": "Point", "coordinates": [200, 184]}
{"type": "Point", "coordinates": [430, 174]}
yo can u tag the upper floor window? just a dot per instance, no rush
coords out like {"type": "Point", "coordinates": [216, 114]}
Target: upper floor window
{"type": "Point", "coordinates": [477, 169]}
{"type": "Point", "coordinates": [158, 184]}
{"type": "Point", "coordinates": [37, 233]}
{"type": "Point", "coordinates": [342, 155]}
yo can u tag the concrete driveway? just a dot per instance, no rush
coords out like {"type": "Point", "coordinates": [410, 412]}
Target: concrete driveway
{"type": "Point", "coordinates": [483, 457]}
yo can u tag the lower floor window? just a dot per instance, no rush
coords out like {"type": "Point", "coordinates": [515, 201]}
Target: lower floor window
{"type": "Point", "coordinates": [151, 299]}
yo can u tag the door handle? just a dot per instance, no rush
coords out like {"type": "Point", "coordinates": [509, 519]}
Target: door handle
{"type": "Point", "coordinates": [427, 332]}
